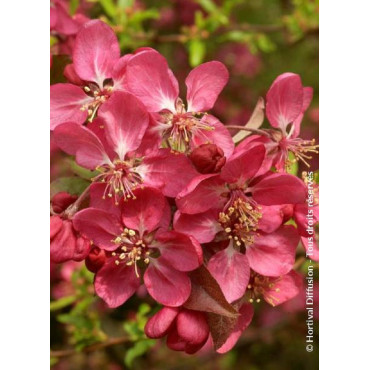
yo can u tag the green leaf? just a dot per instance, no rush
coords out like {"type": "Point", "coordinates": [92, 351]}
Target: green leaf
{"type": "Point", "coordinates": [73, 6]}
{"type": "Point", "coordinates": [62, 302]}
{"type": "Point", "coordinates": [137, 350]}
{"type": "Point", "coordinates": [72, 185]}
{"type": "Point", "coordinates": [53, 361]}
{"type": "Point", "coordinates": [109, 7]}
{"type": "Point", "coordinates": [197, 51]}
{"type": "Point", "coordinates": [81, 171]}
{"type": "Point", "coordinates": [293, 168]}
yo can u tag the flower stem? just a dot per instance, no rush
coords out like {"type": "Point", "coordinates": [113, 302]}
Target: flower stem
{"type": "Point", "coordinates": [243, 128]}
{"type": "Point", "coordinates": [73, 208]}
{"type": "Point", "coordinates": [92, 348]}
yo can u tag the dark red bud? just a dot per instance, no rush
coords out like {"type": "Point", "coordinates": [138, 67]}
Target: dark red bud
{"type": "Point", "coordinates": [63, 241]}
{"type": "Point", "coordinates": [61, 201]}
{"type": "Point", "coordinates": [95, 260]}
{"type": "Point", "coordinates": [208, 158]}
{"type": "Point", "coordinates": [82, 250]}
{"type": "Point", "coordinates": [287, 210]}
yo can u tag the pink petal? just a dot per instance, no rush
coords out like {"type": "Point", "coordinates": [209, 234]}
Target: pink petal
{"type": "Point", "coordinates": [202, 226]}
{"type": "Point", "coordinates": [231, 270]}
{"type": "Point", "coordinates": [179, 251]}
{"type": "Point", "coordinates": [99, 226]}
{"type": "Point", "coordinates": [126, 120]}
{"type": "Point", "coordinates": [77, 140]}
{"type": "Point", "coordinates": [149, 78]}
{"type": "Point", "coordinates": [96, 192]}
{"type": "Point", "coordinates": [311, 247]}
{"type": "Point", "coordinates": [242, 166]}
{"type": "Point", "coordinates": [307, 97]}
{"type": "Point", "coordinates": [166, 285]}
{"type": "Point", "coordinates": [56, 224]}
{"type": "Point", "coordinates": [202, 193]}
{"type": "Point", "coordinates": [96, 51]}
{"type": "Point", "coordinates": [219, 136]}
{"type": "Point", "coordinates": [302, 214]}
{"type": "Point", "coordinates": [63, 244]}
{"type": "Point", "coordinates": [284, 100]}
{"type": "Point", "coordinates": [116, 284]}
{"type": "Point", "coordinates": [119, 72]}
{"type": "Point", "coordinates": [274, 254]}
{"type": "Point", "coordinates": [279, 189]}
{"type": "Point", "coordinates": [272, 218]}
{"type": "Point", "coordinates": [204, 84]}
{"type": "Point", "coordinates": [193, 329]}
{"type": "Point", "coordinates": [71, 75]}
{"type": "Point", "coordinates": [97, 126]}
{"type": "Point", "coordinates": [283, 288]}
{"type": "Point", "coordinates": [158, 325]}
{"type": "Point", "coordinates": [145, 212]}
{"type": "Point", "coordinates": [65, 24]}
{"type": "Point", "coordinates": [162, 168]}
{"type": "Point", "coordinates": [174, 341]}
{"type": "Point", "coordinates": [66, 101]}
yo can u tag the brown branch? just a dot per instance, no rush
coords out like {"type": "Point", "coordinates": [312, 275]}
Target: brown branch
{"type": "Point", "coordinates": [73, 208]}
{"type": "Point", "coordinates": [243, 128]}
{"type": "Point", "coordinates": [94, 347]}
{"type": "Point", "coordinates": [182, 38]}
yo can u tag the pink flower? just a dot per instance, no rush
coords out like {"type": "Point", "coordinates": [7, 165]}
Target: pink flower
{"type": "Point", "coordinates": [149, 78]}
{"type": "Point", "coordinates": [97, 71]}
{"type": "Point", "coordinates": [237, 206]}
{"type": "Point", "coordinates": [60, 21]}
{"type": "Point", "coordinates": [286, 102]}
{"type": "Point", "coordinates": [274, 290]}
{"type": "Point", "coordinates": [110, 145]}
{"type": "Point", "coordinates": [138, 240]}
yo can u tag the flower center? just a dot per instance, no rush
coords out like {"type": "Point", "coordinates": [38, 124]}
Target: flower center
{"type": "Point", "coordinates": [240, 219]}
{"type": "Point", "coordinates": [121, 179]}
{"type": "Point", "coordinates": [100, 95]}
{"type": "Point", "coordinates": [259, 285]}
{"type": "Point", "coordinates": [300, 149]}
{"type": "Point", "coordinates": [179, 129]}
{"type": "Point", "coordinates": [131, 249]}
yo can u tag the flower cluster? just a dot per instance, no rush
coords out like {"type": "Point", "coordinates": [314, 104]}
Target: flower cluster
{"type": "Point", "coordinates": [210, 228]}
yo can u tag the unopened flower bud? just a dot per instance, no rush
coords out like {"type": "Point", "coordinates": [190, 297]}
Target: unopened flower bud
{"type": "Point", "coordinates": [95, 260]}
{"type": "Point", "coordinates": [208, 158]}
{"type": "Point", "coordinates": [61, 201]}
{"type": "Point", "coordinates": [82, 250]}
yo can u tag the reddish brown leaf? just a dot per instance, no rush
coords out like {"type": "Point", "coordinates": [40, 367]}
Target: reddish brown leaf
{"type": "Point", "coordinates": [220, 327]}
{"type": "Point", "coordinates": [206, 295]}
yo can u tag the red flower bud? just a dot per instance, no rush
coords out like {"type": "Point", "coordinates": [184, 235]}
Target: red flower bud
{"type": "Point", "coordinates": [287, 210]}
{"type": "Point", "coordinates": [208, 158]}
{"type": "Point", "coordinates": [61, 201]}
{"type": "Point", "coordinates": [62, 240]}
{"type": "Point", "coordinates": [95, 260]}
{"type": "Point", "coordinates": [82, 249]}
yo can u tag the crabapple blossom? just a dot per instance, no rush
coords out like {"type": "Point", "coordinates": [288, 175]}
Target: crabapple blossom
{"type": "Point", "coordinates": [139, 240]}
{"type": "Point", "coordinates": [110, 145]}
{"type": "Point", "coordinates": [176, 126]}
